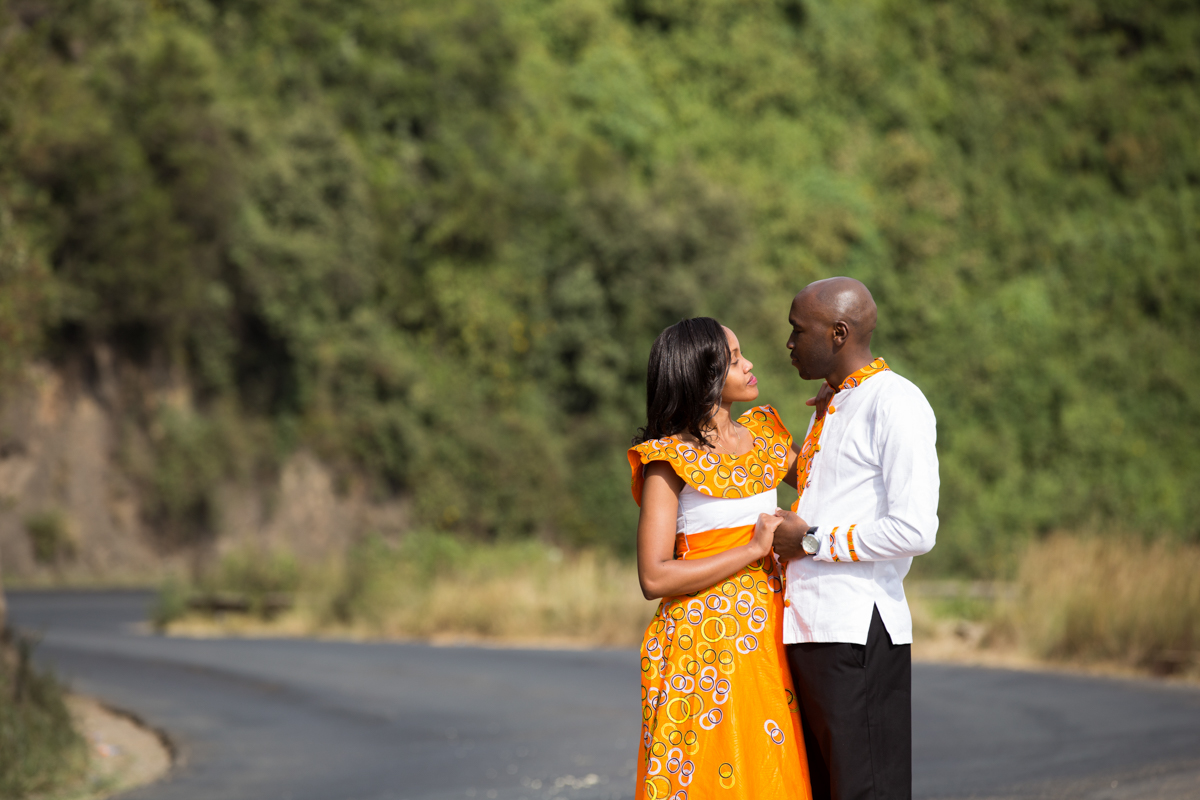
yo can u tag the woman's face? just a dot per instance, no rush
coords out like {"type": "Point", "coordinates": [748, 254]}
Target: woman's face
{"type": "Point", "coordinates": [740, 384]}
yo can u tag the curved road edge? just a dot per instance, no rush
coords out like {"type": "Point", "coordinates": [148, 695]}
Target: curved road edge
{"type": "Point", "coordinates": [124, 752]}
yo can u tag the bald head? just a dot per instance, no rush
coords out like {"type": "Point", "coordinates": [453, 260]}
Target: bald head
{"type": "Point", "coordinates": [842, 300]}
{"type": "Point", "coordinates": [832, 322]}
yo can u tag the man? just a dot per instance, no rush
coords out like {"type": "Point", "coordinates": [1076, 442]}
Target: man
{"type": "Point", "coordinates": [867, 473]}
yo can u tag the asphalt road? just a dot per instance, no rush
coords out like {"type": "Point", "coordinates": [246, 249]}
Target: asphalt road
{"type": "Point", "coordinates": [308, 720]}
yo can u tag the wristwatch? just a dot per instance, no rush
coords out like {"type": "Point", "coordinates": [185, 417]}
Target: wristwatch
{"type": "Point", "coordinates": [810, 542]}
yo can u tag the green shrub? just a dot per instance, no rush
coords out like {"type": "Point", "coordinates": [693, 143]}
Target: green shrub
{"type": "Point", "coordinates": [170, 603]}
{"type": "Point", "coordinates": [50, 536]}
{"type": "Point", "coordinates": [264, 581]}
{"type": "Point", "coordinates": [381, 579]}
{"type": "Point", "coordinates": [188, 460]}
{"type": "Point", "coordinates": [375, 579]}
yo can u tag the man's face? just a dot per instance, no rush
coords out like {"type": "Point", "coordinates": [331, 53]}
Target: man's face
{"type": "Point", "coordinates": [811, 341]}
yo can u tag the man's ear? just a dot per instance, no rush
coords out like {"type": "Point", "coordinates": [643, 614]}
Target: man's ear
{"type": "Point", "coordinates": [841, 332]}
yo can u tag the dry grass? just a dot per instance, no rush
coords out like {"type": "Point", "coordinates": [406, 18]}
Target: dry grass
{"type": "Point", "coordinates": [1084, 600]}
{"type": "Point", "coordinates": [1076, 601]}
{"type": "Point", "coordinates": [436, 587]}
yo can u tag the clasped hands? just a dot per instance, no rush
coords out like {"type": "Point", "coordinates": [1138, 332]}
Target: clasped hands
{"type": "Point", "coordinates": [781, 532]}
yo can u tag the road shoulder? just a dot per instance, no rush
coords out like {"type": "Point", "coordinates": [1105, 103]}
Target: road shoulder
{"type": "Point", "coordinates": [124, 753]}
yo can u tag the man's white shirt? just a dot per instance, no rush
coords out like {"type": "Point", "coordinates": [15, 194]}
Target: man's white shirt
{"type": "Point", "coordinates": [877, 471]}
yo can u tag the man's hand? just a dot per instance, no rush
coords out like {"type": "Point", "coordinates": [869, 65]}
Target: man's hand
{"type": "Point", "coordinates": [821, 401]}
{"type": "Point", "coordinates": [788, 535]}
{"type": "Point", "coordinates": [764, 532]}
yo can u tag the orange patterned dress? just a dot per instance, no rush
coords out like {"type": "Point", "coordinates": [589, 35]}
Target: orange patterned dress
{"type": "Point", "coordinates": [719, 715]}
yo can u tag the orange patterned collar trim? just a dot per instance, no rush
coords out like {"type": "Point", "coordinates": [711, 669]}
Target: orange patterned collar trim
{"type": "Point", "coordinates": [754, 421]}
{"type": "Point", "coordinates": [858, 376]}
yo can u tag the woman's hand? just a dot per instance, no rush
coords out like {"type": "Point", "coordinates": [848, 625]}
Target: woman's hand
{"type": "Point", "coordinates": [821, 401]}
{"type": "Point", "coordinates": [764, 534]}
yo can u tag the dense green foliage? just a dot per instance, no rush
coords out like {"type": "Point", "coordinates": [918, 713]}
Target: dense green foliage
{"type": "Point", "coordinates": [434, 239]}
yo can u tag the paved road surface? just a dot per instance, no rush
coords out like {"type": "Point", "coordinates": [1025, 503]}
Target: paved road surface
{"type": "Point", "coordinates": [302, 720]}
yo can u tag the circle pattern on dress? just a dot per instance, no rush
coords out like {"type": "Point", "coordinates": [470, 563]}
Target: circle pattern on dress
{"type": "Point", "coordinates": [697, 651]}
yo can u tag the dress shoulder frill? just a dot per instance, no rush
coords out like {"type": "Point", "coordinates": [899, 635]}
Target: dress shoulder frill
{"type": "Point", "coordinates": [756, 471]}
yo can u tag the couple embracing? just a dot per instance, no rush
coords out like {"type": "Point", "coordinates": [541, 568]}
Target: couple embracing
{"type": "Point", "coordinates": [778, 663]}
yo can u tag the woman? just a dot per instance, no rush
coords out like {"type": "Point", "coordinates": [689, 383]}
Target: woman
{"type": "Point", "coordinates": [719, 717]}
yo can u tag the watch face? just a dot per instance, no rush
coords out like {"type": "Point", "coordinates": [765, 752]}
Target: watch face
{"type": "Point", "coordinates": [810, 543]}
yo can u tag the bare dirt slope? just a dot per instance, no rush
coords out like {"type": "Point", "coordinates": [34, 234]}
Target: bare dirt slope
{"type": "Point", "coordinates": [65, 436]}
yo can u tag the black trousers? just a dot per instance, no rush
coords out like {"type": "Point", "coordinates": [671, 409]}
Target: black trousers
{"type": "Point", "coordinates": [856, 712]}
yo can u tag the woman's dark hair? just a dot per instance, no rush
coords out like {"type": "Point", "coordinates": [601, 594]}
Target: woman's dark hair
{"type": "Point", "coordinates": [684, 379]}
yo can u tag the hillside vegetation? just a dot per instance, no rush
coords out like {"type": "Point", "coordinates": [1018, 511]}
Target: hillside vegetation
{"type": "Point", "coordinates": [433, 240]}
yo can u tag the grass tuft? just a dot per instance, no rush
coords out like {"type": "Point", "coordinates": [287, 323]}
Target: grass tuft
{"type": "Point", "coordinates": [40, 750]}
